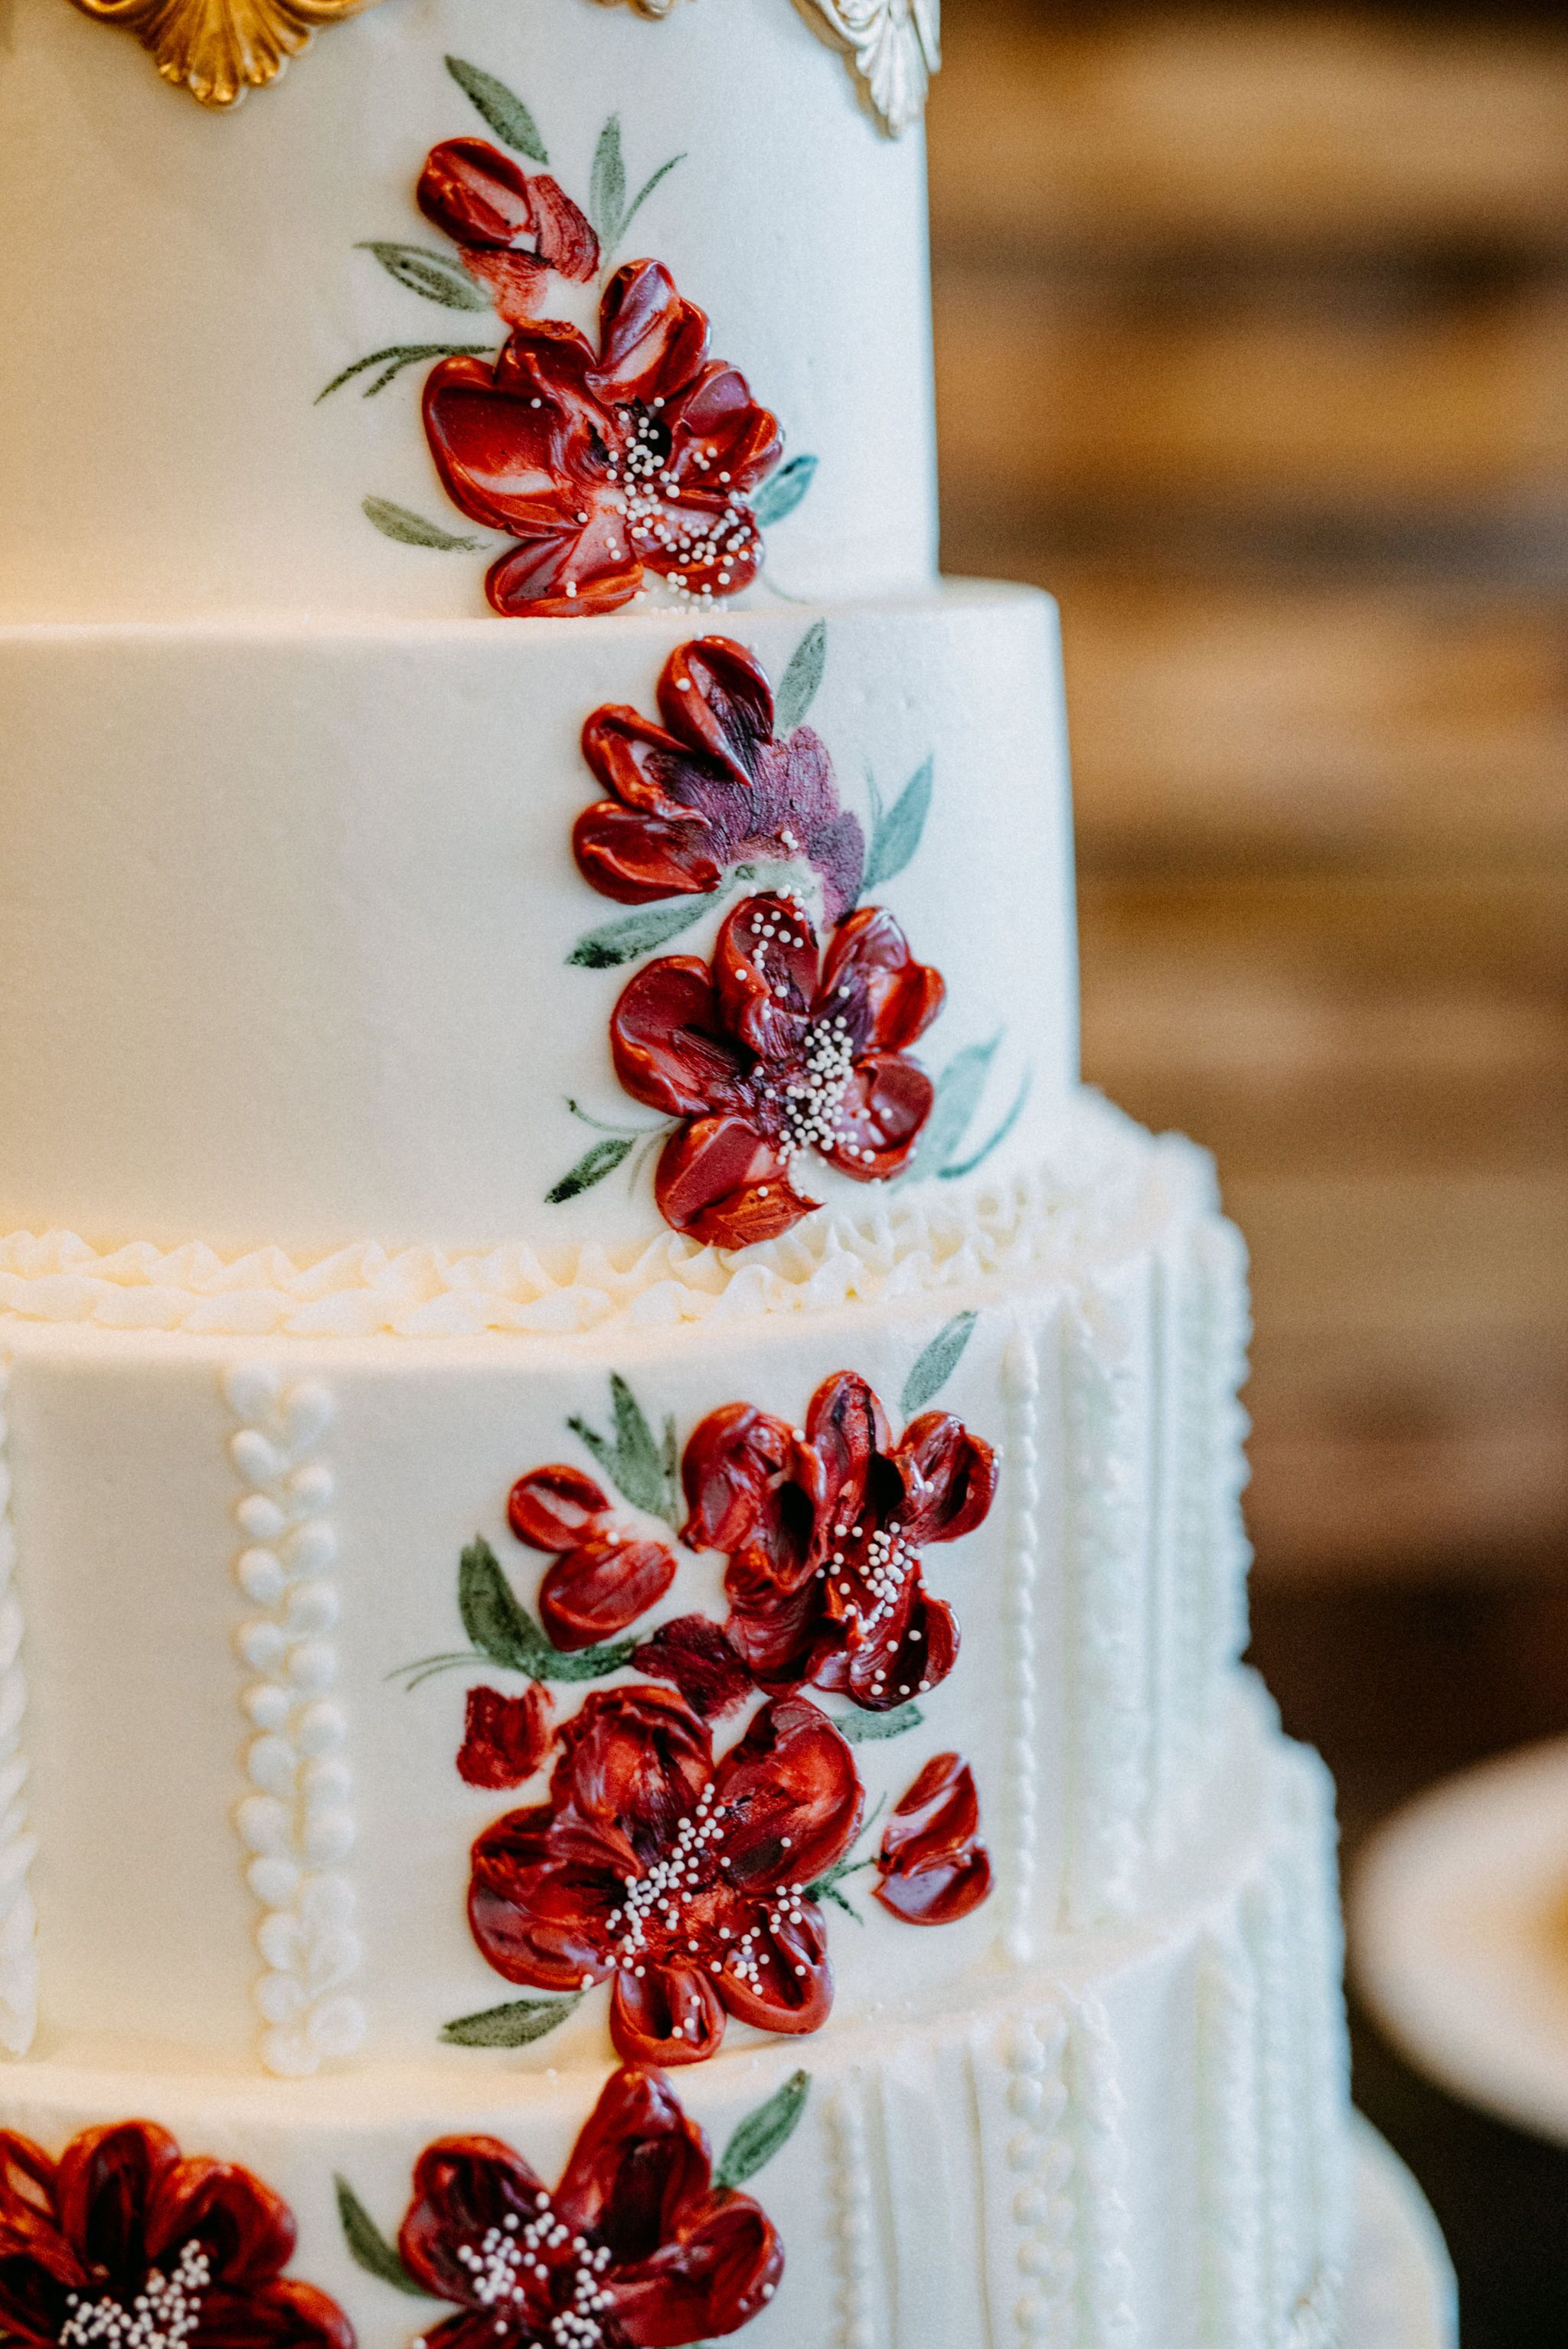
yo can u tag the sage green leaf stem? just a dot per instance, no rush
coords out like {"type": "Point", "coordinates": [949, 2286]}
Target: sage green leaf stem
{"type": "Point", "coordinates": [801, 679]}
{"type": "Point", "coordinates": [782, 491]}
{"type": "Point", "coordinates": [642, 1468]}
{"type": "Point", "coordinates": [764, 2132]}
{"type": "Point", "coordinates": [936, 1365]}
{"type": "Point", "coordinates": [411, 529]}
{"type": "Point", "coordinates": [368, 2248]}
{"type": "Point", "coordinates": [591, 1167]}
{"type": "Point", "coordinates": [896, 835]}
{"type": "Point", "coordinates": [517, 2024]}
{"type": "Point", "coordinates": [502, 109]}
{"type": "Point", "coordinates": [434, 274]}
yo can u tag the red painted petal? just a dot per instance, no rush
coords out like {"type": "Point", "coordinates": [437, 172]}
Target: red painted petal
{"type": "Point", "coordinates": [566, 240]}
{"type": "Point", "coordinates": [765, 974]}
{"type": "Point", "coordinates": [634, 1760]}
{"type": "Point", "coordinates": [651, 343]}
{"type": "Point", "coordinates": [870, 975]}
{"type": "Point", "coordinates": [515, 282]}
{"type": "Point", "coordinates": [913, 1650]}
{"type": "Point", "coordinates": [476, 193]}
{"type": "Point", "coordinates": [645, 2009]}
{"type": "Point", "coordinates": [724, 1183]}
{"type": "Point", "coordinates": [846, 1433]}
{"type": "Point", "coordinates": [694, 1656]}
{"type": "Point", "coordinates": [29, 2218]}
{"type": "Point", "coordinates": [773, 1626]}
{"type": "Point", "coordinates": [668, 1041]}
{"type": "Point", "coordinates": [950, 1478]}
{"type": "Point", "coordinates": [281, 2316]}
{"type": "Point", "coordinates": [720, 423]}
{"type": "Point", "coordinates": [639, 2171]}
{"type": "Point", "coordinates": [722, 2272]}
{"type": "Point", "coordinates": [246, 2230]}
{"type": "Point", "coordinates": [794, 1993]}
{"type": "Point", "coordinates": [108, 2180]}
{"type": "Point", "coordinates": [882, 1112]}
{"type": "Point", "coordinates": [555, 1508]}
{"type": "Point", "coordinates": [732, 1461]}
{"type": "Point", "coordinates": [792, 1796]}
{"type": "Point", "coordinates": [636, 859]}
{"type": "Point", "coordinates": [540, 1893]}
{"type": "Point", "coordinates": [505, 1738]}
{"type": "Point", "coordinates": [595, 1592]}
{"type": "Point", "coordinates": [569, 577]}
{"type": "Point", "coordinates": [635, 759]}
{"type": "Point", "coordinates": [463, 2186]}
{"type": "Point", "coordinates": [714, 695]}
{"type": "Point", "coordinates": [505, 463]}
{"type": "Point", "coordinates": [933, 1869]}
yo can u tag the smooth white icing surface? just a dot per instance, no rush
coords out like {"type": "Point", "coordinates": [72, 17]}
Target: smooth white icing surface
{"type": "Point", "coordinates": [285, 913]}
{"type": "Point", "coordinates": [179, 286]}
{"type": "Point", "coordinates": [1071, 2155]}
{"type": "Point", "coordinates": [170, 1839]}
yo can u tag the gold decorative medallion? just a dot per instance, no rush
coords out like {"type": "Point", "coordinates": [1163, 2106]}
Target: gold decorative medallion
{"type": "Point", "coordinates": [221, 48]}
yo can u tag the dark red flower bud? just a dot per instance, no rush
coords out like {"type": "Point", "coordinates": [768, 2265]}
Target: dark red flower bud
{"type": "Point", "coordinates": [505, 1738]}
{"type": "Point", "coordinates": [476, 193]}
{"type": "Point", "coordinates": [935, 1869]}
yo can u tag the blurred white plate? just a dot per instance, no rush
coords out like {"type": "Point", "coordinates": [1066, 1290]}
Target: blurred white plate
{"type": "Point", "coordinates": [1400, 2288]}
{"type": "Point", "coordinates": [1458, 1922]}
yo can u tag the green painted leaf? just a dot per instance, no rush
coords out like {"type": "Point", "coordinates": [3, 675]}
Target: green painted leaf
{"type": "Point", "coordinates": [433, 274]}
{"type": "Point", "coordinates": [499, 1626]}
{"type": "Point", "coordinates": [632, 1459]}
{"type": "Point", "coordinates": [782, 491]}
{"type": "Point", "coordinates": [517, 2024]}
{"type": "Point", "coordinates": [399, 355]}
{"type": "Point", "coordinates": [638, 934]}
{"type": "Point", "coordinates": [641, 198]}
{"type": "Point", "coordinates": [896, 835]}
{"type": "Point", "coordinates": [591, 1167]}
{"type": "Point", "coordinates": [936, 1365]}
{"type": "Point", "coordinates": [958, 1091]}
{"type": "Point", "coordinates": [871, 1728]}
{"type": "Point", "coordinates": [607, 187]}
{"type": "Point", "coordinates": [412, 529]}
{"type": "Point", "coordinates": [763, 2133]}
{"type": "Point", "coordinates": [801, 678]}
{"type": "Point", "coordinates": [502, 109]}
{"type": "Point", "coordinates": [953, 1174]}
{"type": "Point", "coordinates": [368, 2248]}
{"type": "Point", "coordinates": [587, 1663]}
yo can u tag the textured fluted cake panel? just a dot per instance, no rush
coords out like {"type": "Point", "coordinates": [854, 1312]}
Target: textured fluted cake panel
{"type": "Point", "coordinates": [228, 1551]}
{"type": "Point", "coordinates": [179, 288]}
{"type": "Point", "coordinates": [287, 914]}
{"type": "Point", "coordinates": [1139, 2144]}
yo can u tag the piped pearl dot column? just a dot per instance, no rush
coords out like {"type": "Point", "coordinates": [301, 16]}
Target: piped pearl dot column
{"type": "Point", "coordinates": [852, 2200]}
{"type": "Point", "coordinates": [295, 1826]}
{"type": "Point", "coordinates": [1022, 1469]}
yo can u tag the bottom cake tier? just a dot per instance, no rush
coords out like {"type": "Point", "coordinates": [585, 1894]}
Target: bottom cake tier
{"type": "Point", "coordinates": [1141, 2140]}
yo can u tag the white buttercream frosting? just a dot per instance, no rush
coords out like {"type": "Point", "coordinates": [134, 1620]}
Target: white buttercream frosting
{"type": "Point", "coordinates": [1091, 1205]}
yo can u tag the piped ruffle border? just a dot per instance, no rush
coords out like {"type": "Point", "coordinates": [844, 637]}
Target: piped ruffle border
{"type": "Point", "coordinates": [1105, 1191]}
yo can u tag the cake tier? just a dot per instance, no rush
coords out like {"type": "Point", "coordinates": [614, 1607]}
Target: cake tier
{"type": "Point", "coordinates": [181, 287]}
{"type": "Point", "coordinates": [296, 951]}
{"type": "Point", "coordinates": [310, 1535]}
{"type": "Point", "coordinates": [1141, 2140]}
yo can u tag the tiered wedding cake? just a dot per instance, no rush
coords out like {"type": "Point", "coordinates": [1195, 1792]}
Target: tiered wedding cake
{"type": "Point", "coordinates": [619, 1504]}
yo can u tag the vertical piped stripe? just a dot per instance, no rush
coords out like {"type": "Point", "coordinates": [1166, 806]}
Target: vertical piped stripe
{"type": "Point", "coordinates": [1104, 1599]}
{"type": "Point", "coordinates": [1022, 1374]}
{"type": "Point", "coordinates": [859, 2295]}
{"type": "Point", "coordinates": [1106, 2319]}
{"type": "Point", "coordinates": [1228, 2154]}
{"type": "Point", "coordinates": [18, 1918]}
{"type": "Point", "coordinates": [295, 1827]}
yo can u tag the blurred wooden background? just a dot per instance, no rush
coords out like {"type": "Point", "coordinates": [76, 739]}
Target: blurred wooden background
{"type": "Point", "coordinates": [1253, 347]}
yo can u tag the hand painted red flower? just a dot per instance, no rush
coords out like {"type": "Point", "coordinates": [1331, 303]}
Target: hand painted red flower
{"type": "Point", "coordinates": [602, 1579]}
{"type": "Point", "coordinates": [711, 787]}
{"type": "Point", "coordinates": [505, 1738]}
{"type": "Point", "coordinates": [124, 2223]}
{"type": "Point", "coordinates": [634, 2249]}
{"type": "Point", "coordinates": [933, 1864]}
{"type": "Point", "coordinates": [603, 465]}
{"type": "Point", "coordinates": [772, 1054]}
{"type": "Point", "coordinates": [684, 1883]}
{"type": "Point", "coordinates": [694, 1656]}
{"type": "Point", "coordinates": [513, 227]}
{"type": "Point", "coordinates": [824, 1528]}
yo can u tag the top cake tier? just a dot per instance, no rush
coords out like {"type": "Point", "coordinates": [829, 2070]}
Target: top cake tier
{"type": "Point", "coordinates": [184, 283]}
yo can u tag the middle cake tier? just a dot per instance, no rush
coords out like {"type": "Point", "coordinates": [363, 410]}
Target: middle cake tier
{"type": "Point", "coordinates": [861, 1616]}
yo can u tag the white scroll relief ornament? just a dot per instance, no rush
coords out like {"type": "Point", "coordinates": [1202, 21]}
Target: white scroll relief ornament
{"type": "Point", "coordinates": [896, 46]}
{"type": "Point", "coordinates": [295, 1826]}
